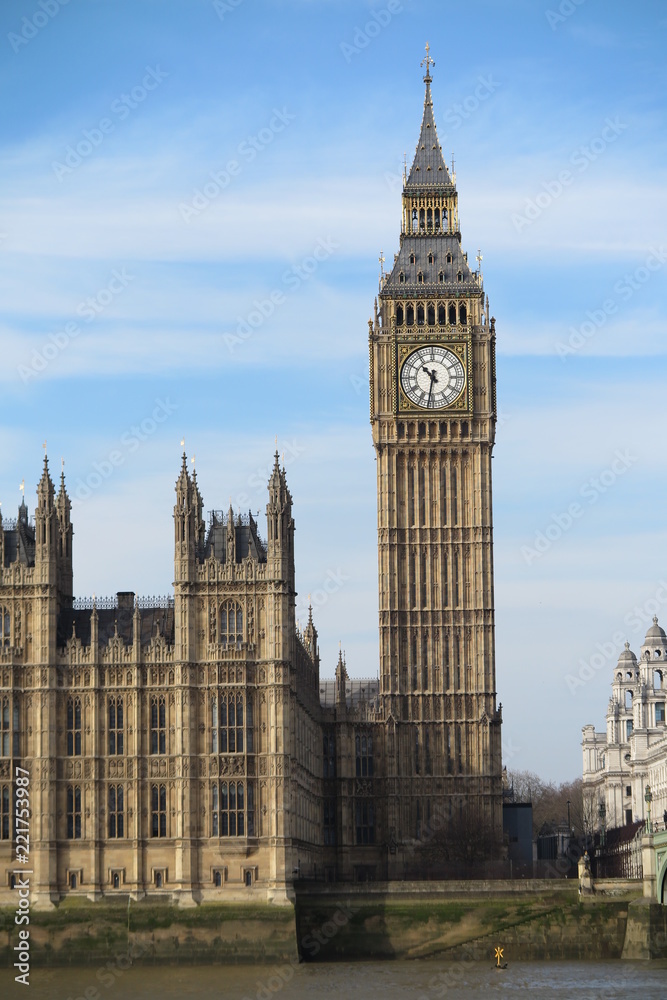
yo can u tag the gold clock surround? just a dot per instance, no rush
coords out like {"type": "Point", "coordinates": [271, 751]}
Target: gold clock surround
{"type": "Point", "coordinates": [461, 348]}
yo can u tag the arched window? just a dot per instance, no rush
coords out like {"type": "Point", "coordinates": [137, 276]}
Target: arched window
{"type": "Point", "coordinates": [116, 729]}
{"type": "Point", "coordinates": [429, 218]}
{"type": "Point", "coordinates": [442, 319]}
{"type": "Point", "coordinates": [73, 727]}
{"type": "Point", "coordinates": [363, 745]}
{"type": "Point", "coordinates": [431, 314]}
{"type": "Point", "coordinates": [449, 258]}
{"type": "Point", "coordinates": [459, 276]}
{"type": "Point", "coordinates": [158, 880]}
{"type": "Point", "coordinates": [231, 622]}
{"type": "Point", "coordinates": [420, 315]}
{"type": "Point", "coordinates": [217, 878]}
{"type": "Point", "coordinates": [73, 812]}
{"type": "Point", "coordinates": [441, 277]}
{"type": "Point", "coordinates": [231, 723]}
{"type": "Point", "coordinates": [5, 808]}
{"type": "Point", "coordinates": [412, 258]}
{"type": "Point", "coordinates": [463, 315]}
{"type": "Point", "coordinates": [628, 700]}
{"type": "Point", "coordinates": [415, 224]}
{"type": "Point", "coordinates": [422, 220]}
{"type": "Point", "coordinates": [116, 880]}
{"type": "Point", "coordinates": [431, 258]}
{"type": "Point", "coordinates": [158, 811]}
{"type": "Point", "coordinates": [420, 278]}
{"type": "Point", "coordinates": [437, 219]}
{"type": "Point", "coordinates": [5, 627]}
{"type": "Point", "coordinates": [72, 881]}
{"type": "Point", "coordinates": [410, 318]}
{"type": "Point", "coordinates": [399, 316]}
{"type": "Point", "coordinates": [444, 218]}
{"type": "Point", "coordinates": [401, 277]}
{"type": "Point", "coordinates": [452, 314]}
{"type": "Point", "coordinates": [116, 811]}
{"type": "Point", "coordinates": [158, 724]}
{"type": "Point", "coordinates": [236, 809]}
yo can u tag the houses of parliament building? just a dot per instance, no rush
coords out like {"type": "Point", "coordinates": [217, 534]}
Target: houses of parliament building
{"type": "Point", "coordinates": [188, 747]}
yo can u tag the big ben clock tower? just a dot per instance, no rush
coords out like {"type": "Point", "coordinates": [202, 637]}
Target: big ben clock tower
{"type": "Point", "coordinates": [433, 415]}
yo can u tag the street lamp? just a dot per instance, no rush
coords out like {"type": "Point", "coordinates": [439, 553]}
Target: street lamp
{"type": "Point", "coordinates": [648, 798]}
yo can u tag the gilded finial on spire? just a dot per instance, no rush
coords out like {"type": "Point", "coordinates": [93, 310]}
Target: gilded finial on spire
{"type": "Point", "coordinates": [22, 488]}
{"type": "Point", "coordinates": [44, 446]}
{"type": "Point", "coordinates": [429, 62]}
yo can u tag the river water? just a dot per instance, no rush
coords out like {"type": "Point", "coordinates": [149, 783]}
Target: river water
{"type": "Point", "coordinates": [421, 980]}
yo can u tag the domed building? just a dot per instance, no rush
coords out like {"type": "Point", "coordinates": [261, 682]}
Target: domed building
{"type": "Point", "coordinates": [619, 764]}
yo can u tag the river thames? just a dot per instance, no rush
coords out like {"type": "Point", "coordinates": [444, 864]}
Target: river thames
{"type": "Point", "coordinates": [421, 980]}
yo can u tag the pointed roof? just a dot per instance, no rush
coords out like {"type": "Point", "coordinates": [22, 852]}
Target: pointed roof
{"type": "Point", "coordinates": [428, 168]}
{"type": "Point", "coordinates": [45, 488]}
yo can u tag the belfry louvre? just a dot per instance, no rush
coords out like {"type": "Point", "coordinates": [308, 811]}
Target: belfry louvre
{"type": "Point", "coordinates": [187, 747]}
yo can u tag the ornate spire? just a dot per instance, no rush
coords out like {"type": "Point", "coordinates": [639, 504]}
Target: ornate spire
{"type": "Point", "coordinates": [428, 168]}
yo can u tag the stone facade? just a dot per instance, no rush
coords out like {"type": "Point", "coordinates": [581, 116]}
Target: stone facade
{"type": "Point", "coordinates": [619, 763]}
{"type": "Point", "coordinates": [187, 747]}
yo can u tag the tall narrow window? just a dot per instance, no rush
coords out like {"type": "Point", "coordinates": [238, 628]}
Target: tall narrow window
{"type": "Point", "coordinates": [215, 811]}
{"type": "Point", "coordinates": [443, 497]}
{"type": "Point", "coordinates": [364, 815]}
{"type": "Point", "coordinates": [422, 581]}
{"type": "Point", "coordinates": [422, 496]}
{"type": "Point", "coordinates": [158, 724]}
{"type": "Point", "coordinates": [231, 726]}
{"type": "Point", "coordinates": [463, 314]}
{"type": "Point", "coordinates": [431, 315]}
{"type": "Point", "coordinates": [116, 811]}
{"type": "Point", "coordinates": [428, 763]}
{"type": "Point", "coordinates": [449, 750]}
{"type": "Point", "coordinates": [328, 756]}
{"type": "Point", "coordinates": [237, 809]}
{"type": "Point", "coordinates": [5, 627]}
{"type": "Point", "coordinates": [411, 495]}
{"type": "Point", "coordinates": [399, 316]}
{"type": "Point", "coordinates": [410, 315]}
{"type": "Point", "coordinates": [73, 727]}
{"type": "Point", "coordinates": [459, 751]}
{"type": "Point", "coordinates": [74, 812]}
{"type": "Point", "coordinates": [231, 622]}
{"type": "Point", "coordinates": [420, 312]}
{"type": "Point", "coordinates": [452, 314]}
{"type": "Point", "coordinates": [5, 730]}
{"type": "Point", "coordinates": [5, 823]}
{"type": "Point", "coordinates": [457, 586]}
{"type": "Point", "coordinates": [159, 811]}
{"type": "Point", "coordinates": [116, 728]}
{"type": "Point", "coordinates": [455, 496]}
{"type": "Point", "coordinates": [442, 318]}
{"type": "Point", "coordinates": [417, 771]}
{"type": "Point", "coordinates": [329, 822]}
{"type": "Point", "coordinates": [445, 579]}
{"type": "Point", "coordinates": [363, 745]}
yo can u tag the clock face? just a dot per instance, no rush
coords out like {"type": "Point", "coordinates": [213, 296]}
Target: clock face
{"type": "Point", "coordinates": [432, 377]}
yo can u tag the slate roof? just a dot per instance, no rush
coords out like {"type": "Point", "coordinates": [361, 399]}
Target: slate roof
{"type": "Point", "coordinates": [429, 168]}
{"type": "Point", "coordinates": [421, 246]}
{"type": "Point", "coordinates": [122, 616]}
{"type": "Point", "coordinates": [247, 539]}
{"type": "Point", "coordinates": [20, 539]}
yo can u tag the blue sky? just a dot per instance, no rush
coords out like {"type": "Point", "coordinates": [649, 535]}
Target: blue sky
{"type": "Point", "coordinates": [137, 311]}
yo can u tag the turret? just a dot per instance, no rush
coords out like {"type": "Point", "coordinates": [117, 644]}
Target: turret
{"type": "Point", "coordinates": [64, 544]}
{"type": "Point", "coordinates": [186, 525]}
{"type": "Point", "coordinates": [280, 525]}
{"type": "Point", "coordinates": [341, 681]}
{"type": "Point", "coordinates": [230, 546]}
{"type": "Point", "coordinates": [46, 529]}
